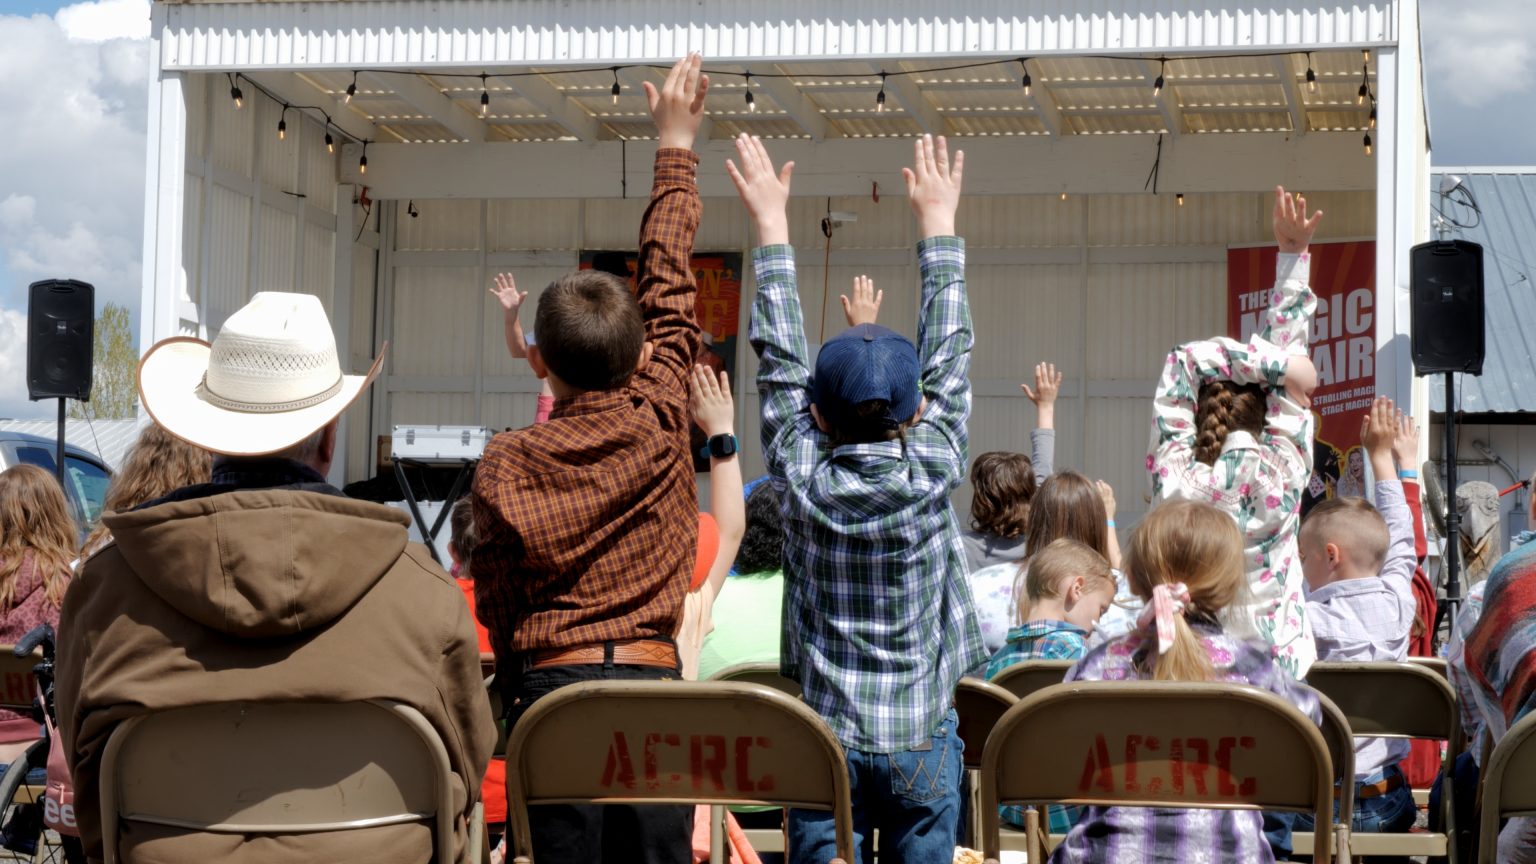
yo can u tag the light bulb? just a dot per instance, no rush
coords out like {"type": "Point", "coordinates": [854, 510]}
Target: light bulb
{"type": "Point", "coordinates": [1365, 54]}
{"type": "Point", "coordinates": [1311, 80]}
{"type": "Point", "coordinates": [1157, 86]}
{"type": "Point", "coordinates": [1361, 94]}
{"type": "Point", "coordinates": [1180, 198]}
{"type": "Point", "coordinates": [1367, 143]}
{"type": "Point", "coordinates": [362, 164]}
{"type": "Point", "coordinates": [880, 97]}
{"type": "Point", "coordinates": [330, 143]}
{"type": "Point", "coordinates": [282, 129]}
{"type": "Point", "coordinates": [235, 94]}
{"type": "Point", "coordinates": [1373, 117]}
{"type": "Point", "coordinates": [615, 90]}
{"type": "Point", "coordinates": [1026, 77]}
{"type": "Point", "coordinates": [352, 88]}
{"type": "Point", "coordinates": [751, 103]}
{"type": "Point", "coordinates": [1063, 196]}
{"type": "Point", "coordinates": [485, 102]}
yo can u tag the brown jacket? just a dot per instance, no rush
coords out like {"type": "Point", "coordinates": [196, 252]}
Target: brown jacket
{"type": "Point", "coordinates": [272, 595]}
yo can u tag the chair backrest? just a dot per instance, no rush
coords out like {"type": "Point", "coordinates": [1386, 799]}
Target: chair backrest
{"type": "Point", "coordinates": [17, 685]}
{"type": "Point", "coordinates": [766, 674]}
{"type": "Point", "coordinates": [979, 705]}
{"type": "Point", "coordinates": [1507, 786]}
{"type": "Point", "coordinates": [674, 742]}
{"type": "Point", "coordinates": [1156, 744]}
{"type": "Point", "coordinates": [1341, 752]}
{"type": "Point", "coordinates": [278, 768]}
{"type": "Point", "coordinates": [1434, 664]}
{"type": "Point", "coordinates": [1392, 700]}
{"type": "Point", "coordinates": [1032, 676]}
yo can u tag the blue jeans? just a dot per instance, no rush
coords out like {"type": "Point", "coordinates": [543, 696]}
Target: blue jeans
{"type": "Point", "coordinates": [913, 797]}
{"type": "Point", "coordinates": [1392, 813]}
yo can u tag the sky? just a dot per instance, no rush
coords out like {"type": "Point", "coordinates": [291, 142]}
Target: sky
{"type": "Point", "coordinates": [74, 90]}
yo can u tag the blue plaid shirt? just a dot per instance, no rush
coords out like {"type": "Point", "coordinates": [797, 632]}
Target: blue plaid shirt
{"type": "Point", "coordinates": [878, 620]}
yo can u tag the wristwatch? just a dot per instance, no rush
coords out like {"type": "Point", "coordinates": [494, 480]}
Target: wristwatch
{"type": "Point", "coordinates": [720, 446]}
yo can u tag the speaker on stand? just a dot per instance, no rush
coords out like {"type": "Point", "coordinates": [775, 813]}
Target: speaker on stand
{"type": "Point", "coordinates": [61, 342]}
{"type": "Point", "coordinates": [1446, 283]}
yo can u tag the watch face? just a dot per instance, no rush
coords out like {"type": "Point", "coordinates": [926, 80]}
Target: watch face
{"type": "Point", "coordinates": [722, 446]}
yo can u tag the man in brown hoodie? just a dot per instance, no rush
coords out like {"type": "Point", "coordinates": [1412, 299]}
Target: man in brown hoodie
{"type": "Point", "coordinates": [266, 584]}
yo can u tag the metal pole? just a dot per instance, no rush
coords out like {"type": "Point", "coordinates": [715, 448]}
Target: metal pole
{"type": "Point", "coordinates": [1452, 515]}
{"type": "Point", "coordinates": [58, 462]}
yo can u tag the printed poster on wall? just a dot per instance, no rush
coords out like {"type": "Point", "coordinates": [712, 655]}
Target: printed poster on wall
{"type": "Point", "coordinates": [717, 308]}
{"type": "Point", "coordinates": [1343, 346]}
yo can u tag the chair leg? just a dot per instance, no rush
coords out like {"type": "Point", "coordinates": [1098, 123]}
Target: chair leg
{"type": "Point", "coordinates": [717, 834]}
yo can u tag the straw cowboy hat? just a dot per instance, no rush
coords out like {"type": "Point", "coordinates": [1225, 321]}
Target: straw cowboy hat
{"type": "Point", "coordinates": [269, 380]}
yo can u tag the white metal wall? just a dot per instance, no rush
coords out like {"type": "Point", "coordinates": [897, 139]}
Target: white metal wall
{"type": "Point", "coordinates": [1102, 285]}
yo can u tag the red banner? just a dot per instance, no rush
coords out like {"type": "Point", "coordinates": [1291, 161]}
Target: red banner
{"type": "Point", "coordinates": [1342, 342]}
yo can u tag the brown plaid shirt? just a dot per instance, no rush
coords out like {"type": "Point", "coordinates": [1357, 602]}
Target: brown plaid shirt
{"type": "Point", "coordinates": [588, 523]}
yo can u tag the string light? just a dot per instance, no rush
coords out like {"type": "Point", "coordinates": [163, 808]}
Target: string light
{"type": "Point", "coordinates": [1179, 198]}
{"type": "Point", "coordinates": [1311, 75]}
{"type": "Point", "coordinates": [362, 163]}
{"type": "Point", "coordinates": [1373, 115]}
{"type": "Point", "coordinates": [485, 96]}
{"type": "Point", "coordinates": [1365, 85]}
{"type": "Point", "coordinates": [1365, 54]}
{"type": "Point", "coordinates": [1157, 86]}
{"type": "Point", "coordinates": [410, 209]}
{"type": "Point", "coordinates": [282, 123]}
{"type": "Point", "coordinates": [616, 88]}
{"type": "Point", "coordinates": [235, 94]}
{"type": "Point", "coordinates": [1063, 196]}
{"type": "Point", "coordinates": [880, 97]}
{"type": "Point", "coordinates": [330, 143]}
{"type": "Point", "coordinates": [1367, 143]}
{"type": "Point", "coordinates": [352, 89]}
{"type": "Point", "coordinates": [1026, 76]}
{"type": "Point", "coordinates": [751, 102]}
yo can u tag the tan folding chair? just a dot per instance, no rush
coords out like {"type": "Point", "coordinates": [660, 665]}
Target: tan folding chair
{"type": "Point", "coordinates": [1341, 752]}
{"type": "Point", "coordinates": [18, 687]}
{"type": "Point", "coordinates": [674, 742]}
{"type": "Point", "coordinates": [1508, 790]}
{"type": "Point", "coordinates": [1398, 700]}
{"type": "Point", "coordinates": [1155, 744]}
{"type": "Point", "coordinates": [979, 705]}
{"type": "Point", "coordinates": [1031, 676]}
{"type": "Point", "coordinates": [766, 674]}
{"type": "Point", "coordinates": [281, 768]}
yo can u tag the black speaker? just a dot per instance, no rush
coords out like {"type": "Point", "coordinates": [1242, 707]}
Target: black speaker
{"type": "Point", "coordinates": [61, 339]}
{"type": "Point", "coordinates": [1447, 288]}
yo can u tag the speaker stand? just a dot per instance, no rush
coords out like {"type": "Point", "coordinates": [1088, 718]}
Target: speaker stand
{"type": "Point", "coordinates": [1447, 610]}
{"type": "Point", "coordinates": [58, 462]}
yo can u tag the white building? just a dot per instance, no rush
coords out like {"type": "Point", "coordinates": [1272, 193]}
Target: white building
{"type": "Point", "coordinates": [1071, 259]}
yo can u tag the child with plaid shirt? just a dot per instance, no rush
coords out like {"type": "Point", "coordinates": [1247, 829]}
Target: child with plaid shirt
{"type": "Point", "coordinates": [878, 620]}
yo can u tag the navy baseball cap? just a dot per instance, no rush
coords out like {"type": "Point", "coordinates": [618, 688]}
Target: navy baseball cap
{"type": "Point", "coordinates": [864, 363]}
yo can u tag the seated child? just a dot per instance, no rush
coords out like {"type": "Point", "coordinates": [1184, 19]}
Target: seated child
{"type": "Point", "coordinates": [1185, 561]}
{"type": "Point", "coordinates": [461, 544]}
{"type": "Point", "coordinates": [1358, 562]}
{"type": "Point", "coordinates": [1068, 588]}
{"type": "Point", "coordinates": [1003, 483]}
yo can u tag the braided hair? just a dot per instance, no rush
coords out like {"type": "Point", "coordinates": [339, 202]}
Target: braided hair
{"type": "Point", "coordinates": [1223, 408]}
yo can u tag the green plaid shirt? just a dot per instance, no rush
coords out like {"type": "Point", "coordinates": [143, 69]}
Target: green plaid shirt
{"type": "Point", "coordinates": [878, 620]}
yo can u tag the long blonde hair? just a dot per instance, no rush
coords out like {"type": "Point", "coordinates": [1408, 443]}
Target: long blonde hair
{"type": "Point", "coordinates": [157, 465]}
{"type": "Point", "coordinates": [1194, 543]}
{"type": "Point", "coordinates": [34, 517]}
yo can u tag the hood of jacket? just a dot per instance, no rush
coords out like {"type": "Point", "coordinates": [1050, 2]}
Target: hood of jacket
{"type": "Point", "coordinates": [261, 563]}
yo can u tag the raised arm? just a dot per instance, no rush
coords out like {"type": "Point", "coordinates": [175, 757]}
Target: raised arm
{"type": "Point", "coordinates": [776, 330]}
{"type": "Point", "coordinates": [715, 412]}
{"type": "Point", "coordinates": [1292, 304]}
{"type": "Point", "coordinates": [664, 280]}
{"type": "Point", "coordinates": [511, 301]}
{"type": "Point", "coordinates": [1377, 434]}
{"type": "Point", "coordinates": [1042, 441]}
{"type": "Point", "coordinates": [944, 334]}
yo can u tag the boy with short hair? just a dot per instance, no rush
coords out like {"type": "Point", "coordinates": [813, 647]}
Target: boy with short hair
{"type": "Point", "coordinates": [588, 523]}
{"type": "Point", "coordinates": [878, 621]}
{"type": "Point", "coordinates": [1358, 561]}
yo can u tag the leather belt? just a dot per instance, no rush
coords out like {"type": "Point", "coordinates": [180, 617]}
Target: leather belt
{"type": "Point", "coordinates": [638, 652]}
{"type": "Point", "coordinates": [1381, 787]}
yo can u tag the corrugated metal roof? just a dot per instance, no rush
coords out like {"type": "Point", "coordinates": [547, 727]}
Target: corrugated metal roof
{"type": "Point", "coordinates": [1507, 232]}
{"type": "Point", "coordinates": [109, 439]}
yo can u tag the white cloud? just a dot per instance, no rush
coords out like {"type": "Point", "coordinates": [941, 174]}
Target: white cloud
{"type": "Point", "coordinates": [73, 91]}
{"type": "Point", "coordinates": [104, 20]}
{"type": "Point", "coordinates": [1479, 53]}
{"type": "Point", "coordinates": [13, 367]}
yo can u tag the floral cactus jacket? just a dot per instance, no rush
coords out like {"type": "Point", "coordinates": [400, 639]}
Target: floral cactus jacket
{"type": "Point", "coordinates": [1258, 479]}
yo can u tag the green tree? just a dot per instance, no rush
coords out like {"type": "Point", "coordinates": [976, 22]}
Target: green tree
{"type": "Point", "coordinates": [114, 394]}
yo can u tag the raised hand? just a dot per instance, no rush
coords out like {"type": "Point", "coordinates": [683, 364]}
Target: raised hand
{"type": "Point", "coordinates": [506, 291]}
{"type": "Point", "coordinates": [933, 185]}
{"type": "Point", "coordinates": [765, 192]}
{"type": "Point", "coordinates": [1107, 493]}
{"type": "Point", "coordinates": [1405, 443]}
{"type": "Point", "coordinates": [710, 399]}
{"type": "Point", "coordinates": [1293, 228]}
{"type": "Point", "coordinates": [1047, 387]}
{"type": "Point", "coordinates": [864, 308]}
{"type": "Point", "coordinates": [1377, 432]}
{"type": "Point", "coordinates": [678, 107]}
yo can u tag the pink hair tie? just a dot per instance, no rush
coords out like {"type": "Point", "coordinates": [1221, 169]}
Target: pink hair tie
{"type": "Point", "coordinates": [1168, 600]}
